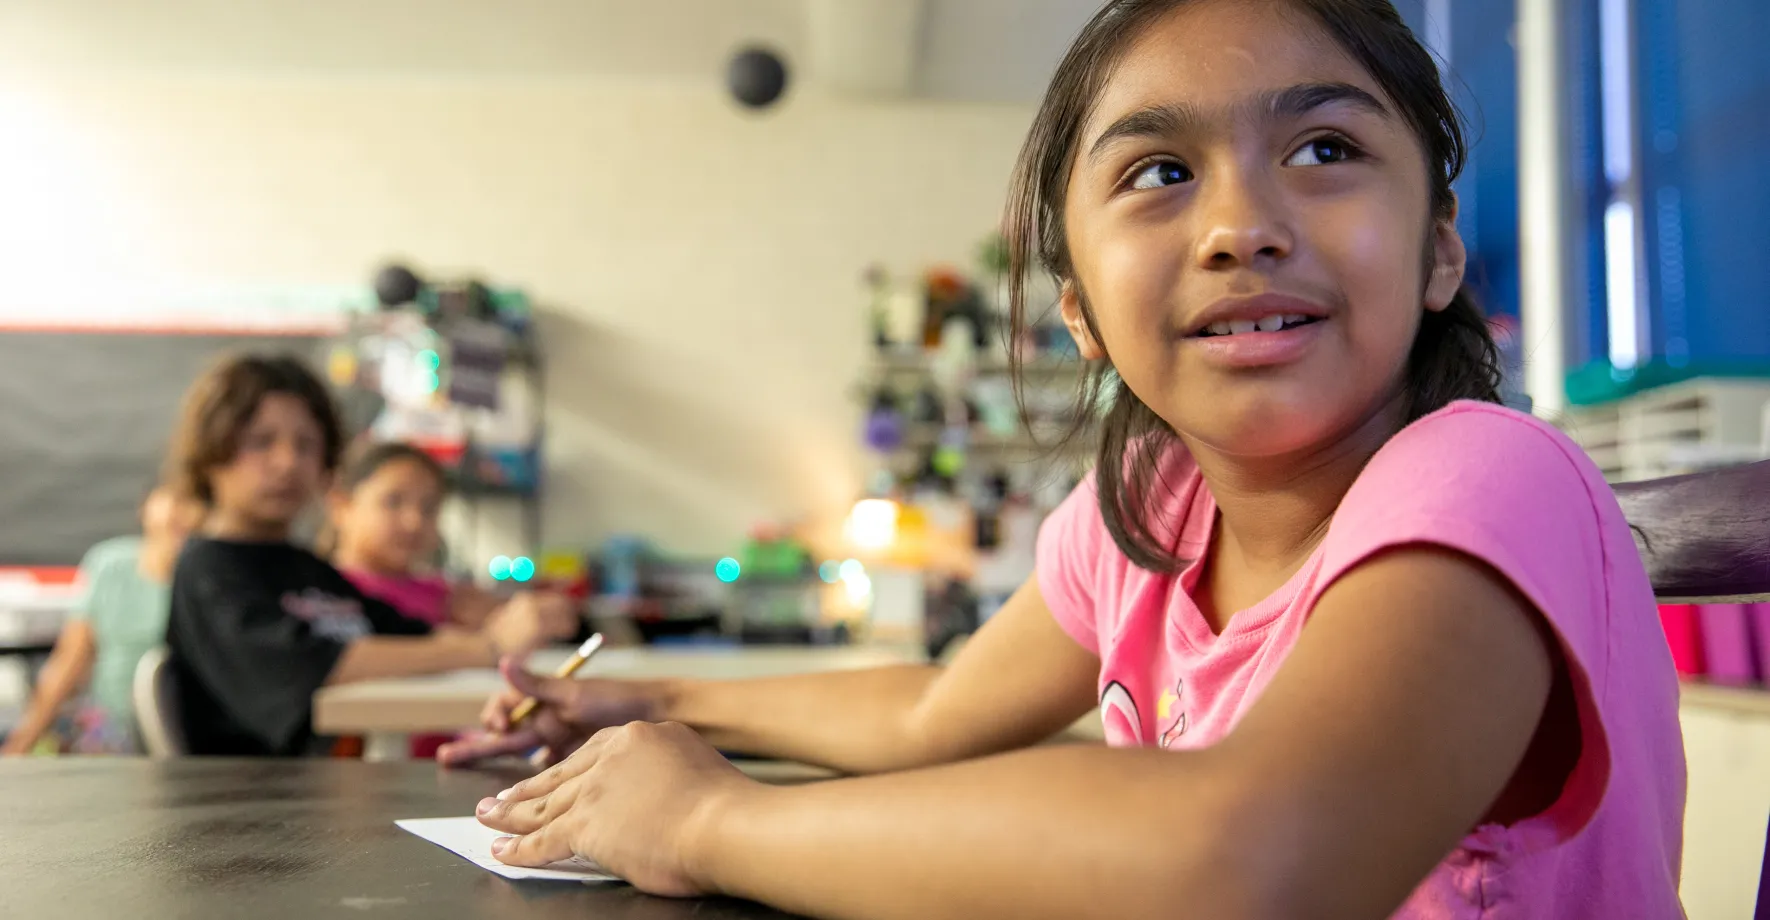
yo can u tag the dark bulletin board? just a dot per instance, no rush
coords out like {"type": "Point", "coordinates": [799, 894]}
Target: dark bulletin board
{"type": "Point", "coordinates": [85, 419]}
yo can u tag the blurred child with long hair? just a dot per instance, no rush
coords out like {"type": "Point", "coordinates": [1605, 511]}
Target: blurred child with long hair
{"type": "Point", "coordinates": [257, 623]}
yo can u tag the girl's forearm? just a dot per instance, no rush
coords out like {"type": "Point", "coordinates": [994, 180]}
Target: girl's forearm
{"type": "Point", "coordinates": [1019, 681]}
{"type": "Point", "coordinates": [853, 721]}
{"type": "Point", "coordinates": [1047, 832]}
{"type": "Point", "coordinates": [63, 676]}
{"type": "Point", "coordinates": [374, 657]}
{"type": "Point", "coordinates": [469, 606]}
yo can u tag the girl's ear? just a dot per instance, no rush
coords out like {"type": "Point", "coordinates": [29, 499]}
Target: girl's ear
{"type": "Point", "coordinates": [1069, 305]}
{"type": "Point", "coordinates": [1449, 262]}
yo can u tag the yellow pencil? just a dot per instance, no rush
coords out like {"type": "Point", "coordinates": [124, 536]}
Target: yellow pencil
{"type": "Point", "coordinates": [571, 666]}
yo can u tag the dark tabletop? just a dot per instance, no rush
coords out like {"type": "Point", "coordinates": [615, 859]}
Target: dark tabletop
{"type": "Point", "coordinates": [143, 840]}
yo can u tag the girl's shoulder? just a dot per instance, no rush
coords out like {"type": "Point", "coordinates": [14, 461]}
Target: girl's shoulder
{"type": "Point", "coordinates": [1496, 484]}
{"type": "Point", "coordinates": [107, 553]}
{"type": "Point", "coordinates": [417, 596]}
{"type": "Point", "coordinates": [1470, 444]}
{"type": "Point", "coordinates": [418, 581]}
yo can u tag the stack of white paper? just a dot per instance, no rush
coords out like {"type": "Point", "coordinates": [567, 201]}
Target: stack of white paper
{"type": "Point", "coordinates": [468, 838]}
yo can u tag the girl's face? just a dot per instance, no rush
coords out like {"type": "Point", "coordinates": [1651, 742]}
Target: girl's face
{"type": "Point", "coordinates": [277, 468]}
{"type": "Point", "coordinates": [389, 519]}
{"type": "Point", "coordinates": [1248, 218]}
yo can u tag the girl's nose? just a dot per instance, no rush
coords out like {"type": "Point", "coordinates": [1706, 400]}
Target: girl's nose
{"type": "Point", "coordinates": [1242, 224]}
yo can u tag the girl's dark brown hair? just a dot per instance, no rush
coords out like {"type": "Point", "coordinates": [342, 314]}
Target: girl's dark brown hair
{"type": "Point", "coordinates": [1453, 355]}
{"type": "Point", "coordinates": [368, 460]}
{"type": "Point", "coordinates": [363, 463]}
{"type": "Point", "coordinates": [220, 405]}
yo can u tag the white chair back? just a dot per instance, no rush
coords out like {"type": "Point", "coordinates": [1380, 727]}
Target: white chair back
{"type": "Point", "coordinates": [155, 695]}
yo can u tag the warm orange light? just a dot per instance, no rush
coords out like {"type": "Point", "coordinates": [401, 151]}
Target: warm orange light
{"type": "Point", "coordinates": [872, 525]}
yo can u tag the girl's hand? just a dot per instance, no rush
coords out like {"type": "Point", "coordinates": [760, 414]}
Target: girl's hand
{"type": "Point", "coordinates": [569, 711]}
{"type": "Point", "coordinates": [639, 801]}
{"type": "Point", "coordinates": [528, 621]}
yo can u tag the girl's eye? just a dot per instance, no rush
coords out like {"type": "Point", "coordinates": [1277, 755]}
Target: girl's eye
{"type": "Point", "coordinates": [1160, 174]}
{"type": "Point", "coordinates": [1322, 151]}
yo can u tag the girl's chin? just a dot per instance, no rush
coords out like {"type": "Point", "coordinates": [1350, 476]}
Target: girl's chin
{"type": "Point", "coordinates": [1287, 422]}
{"type": "Point", "coordinates": [1256, 427]}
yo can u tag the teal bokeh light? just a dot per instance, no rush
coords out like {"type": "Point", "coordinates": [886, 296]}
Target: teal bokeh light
{"type": "Point", "coordinates": [728, 570]}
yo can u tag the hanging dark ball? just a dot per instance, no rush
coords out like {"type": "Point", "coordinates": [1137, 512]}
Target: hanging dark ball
{"type": "Point", "coordinates": [396, 285]}
{"type": "Point", "coordinates": [757, 77]}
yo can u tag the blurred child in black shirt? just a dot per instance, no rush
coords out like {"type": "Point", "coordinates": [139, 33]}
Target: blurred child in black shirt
{"type": "Point", "coordinates": [257, 623]}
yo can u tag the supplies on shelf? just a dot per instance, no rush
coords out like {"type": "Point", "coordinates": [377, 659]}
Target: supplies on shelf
{"type": "Point", "coordinates": [1681, 428]}
{"type": "Point", "coordinates": [966, 463]}
{"type": "Point", "coordinates": [941, 396]}
{"type": "Point", "coordinates": [770, 591]}
{"type": "Point", "coordinates": [464, 389]}
{"type": "Point", "coordinates": [451, 368]}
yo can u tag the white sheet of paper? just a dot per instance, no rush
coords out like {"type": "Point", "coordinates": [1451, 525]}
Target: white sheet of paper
{"type": "Point", "coordinates": [468, 838]}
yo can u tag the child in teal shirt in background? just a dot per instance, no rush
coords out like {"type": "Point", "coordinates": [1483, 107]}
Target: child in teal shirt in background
{"type": "Point", "coordinates": [121, 614]}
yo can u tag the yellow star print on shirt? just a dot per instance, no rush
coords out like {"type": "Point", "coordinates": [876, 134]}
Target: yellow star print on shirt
{"type": "Point", "coordinates": [1166, 714]}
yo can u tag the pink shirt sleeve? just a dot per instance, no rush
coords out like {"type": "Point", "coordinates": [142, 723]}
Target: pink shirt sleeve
{"type": "Point", "coordinates": [1073, 545]}
{"type": "Point", "coordinates": [1513, 493]}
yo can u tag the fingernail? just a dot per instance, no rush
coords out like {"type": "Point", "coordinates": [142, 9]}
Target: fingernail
{"type": "Point", "coordinates": [501, 844]}
{"type": "Point", "coordinates": [506, 793]}
{"type": "Point", "coordinates": [485, 805]}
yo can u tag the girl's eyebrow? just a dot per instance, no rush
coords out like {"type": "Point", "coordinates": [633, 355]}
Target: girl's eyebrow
{"type": "Point", "coordinates": [1182, 117]}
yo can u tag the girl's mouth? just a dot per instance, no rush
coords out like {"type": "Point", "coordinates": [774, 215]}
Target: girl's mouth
{"type": "Point", "coordinates": [1273, 323]}
{"type": "Point", "coordinates": [1268, 342]}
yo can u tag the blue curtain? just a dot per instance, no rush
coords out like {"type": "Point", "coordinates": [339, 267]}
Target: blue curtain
{"type": "Point", "coordinates": [1484, 83]}
{"type": "Point", "coordinates": [1705, 137]}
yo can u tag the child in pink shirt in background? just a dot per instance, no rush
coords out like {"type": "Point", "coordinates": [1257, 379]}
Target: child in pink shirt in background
{"type": "Point", "coordinates": [382, 535]}
{"type": "Point", "coordinates": [1365, 644]}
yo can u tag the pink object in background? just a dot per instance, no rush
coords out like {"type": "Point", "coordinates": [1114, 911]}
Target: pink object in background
{"type": "Point", "coordinates": [1684, 634]}
{"type": "Point", "coordinates": [416, 597]}
{"type": "Point", "coordinates": [1727, 644]}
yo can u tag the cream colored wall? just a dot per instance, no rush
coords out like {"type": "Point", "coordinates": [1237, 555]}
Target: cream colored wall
{"type": "Point", "coordinates": [699, 267]}
{"type": "Point", "coordinates": [1728, 752]}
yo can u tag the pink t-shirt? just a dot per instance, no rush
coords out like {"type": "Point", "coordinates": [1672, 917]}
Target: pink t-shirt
{"type": "Point", "coordinates": [1496, 485]}
{"type": "Point", "coordinates": [416, 597]}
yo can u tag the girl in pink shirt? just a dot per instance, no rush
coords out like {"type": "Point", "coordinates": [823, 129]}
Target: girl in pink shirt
{"type": "Point", "coordinates": [382, 518]}
{"type": "Point", "coordinates": [382, 535]}
{"type": "Point", "coordinates": [1364, 643]}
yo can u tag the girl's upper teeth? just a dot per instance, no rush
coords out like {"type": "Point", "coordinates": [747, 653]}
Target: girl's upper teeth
{"type": "Point", "coordinates": [1266, 324]}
